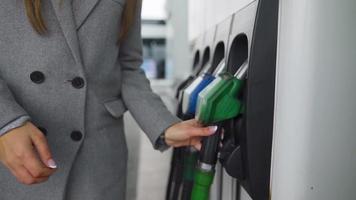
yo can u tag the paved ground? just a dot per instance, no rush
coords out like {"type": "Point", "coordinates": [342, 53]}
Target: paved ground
{"type": "Point", "coordinates": [148, 168]}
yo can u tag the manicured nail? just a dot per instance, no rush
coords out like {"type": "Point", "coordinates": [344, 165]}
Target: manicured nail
{"type": "Point", "coordinates": [213, 129]}
{"type": "Point", "coordinates": [51, 164]}
{"type": "Point", "coordinates": [198, 147]}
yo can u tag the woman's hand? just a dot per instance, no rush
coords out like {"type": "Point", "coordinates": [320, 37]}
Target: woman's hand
{"type": "Point", "coordinates": [24, 151]}
{"type": "Point", "coordinates": [188, 133]}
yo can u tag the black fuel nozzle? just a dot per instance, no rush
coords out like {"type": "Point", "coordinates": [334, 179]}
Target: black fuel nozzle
{"type": "Point", "coordinates": [210, 147]}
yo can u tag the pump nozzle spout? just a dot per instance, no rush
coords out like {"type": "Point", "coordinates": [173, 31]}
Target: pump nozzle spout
{"type": "Point", "coordinates": [205, 69]}
{"type": "Point", "coordinates": [220, 68]}
{"type": "Point", "coordinates": [241, 73]}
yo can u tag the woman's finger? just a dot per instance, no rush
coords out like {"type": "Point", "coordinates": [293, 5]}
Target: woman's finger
{"type": "Point", "coordinates": [35, 166]}
{"type": "Point", "coordinates": [196, 143]}
{"type": "Point", "coordinates": [203, 131]}
{"type": "Point", "coordinates": [180, 144]}
{"type": "Point", "coordinates": [193, 122]}
{"type": "Point", "coordinates": [41, 179]}
{"type": "Point", "coordinates": [189, 142]}
{"type": "Point", "coordinates": [41, 145]}
{"type": "Point", "coordinates": [195, 140]}
{"type": "Point", "coordinates": [22, 174]}
{"type": "Point", "coordinates": [197, 146]}
{"type": "Point", "coordinates": [28, 178]}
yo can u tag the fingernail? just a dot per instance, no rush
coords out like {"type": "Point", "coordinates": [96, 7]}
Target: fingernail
{"type": "Point", "coordinates": [213, 129]}
{"type": "Point", "coordinates": [198, 147]}
{"type": "Point", "coordinates": [51, 164]}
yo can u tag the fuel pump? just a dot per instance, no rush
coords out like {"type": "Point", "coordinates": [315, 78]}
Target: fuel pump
{"type": "Point", "coordinates": [190, 94]}
{"type": "Point", "coordinates": [189, 101]}
{"type": "Point", "coordinates": [180, 165]}
{"type": "Point", "coordinates": [216, 103]}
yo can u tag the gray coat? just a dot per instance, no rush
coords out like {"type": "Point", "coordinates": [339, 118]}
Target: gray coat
{"type": "Point", "coordinates": [76, 83]}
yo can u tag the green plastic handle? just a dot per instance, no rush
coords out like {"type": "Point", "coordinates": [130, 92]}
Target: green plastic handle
{"type": "Point", "coordinates": [189, 166]}
{"type": "Point", "coordinates": [202, 184]}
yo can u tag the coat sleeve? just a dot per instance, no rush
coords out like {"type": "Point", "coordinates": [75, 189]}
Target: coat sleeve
{"type": "Point", "coordinates": [145, 106]}
{"type": "Point", "coordinates": [10, 110]}
{"type": "Point", "coordinates": [14, 124]}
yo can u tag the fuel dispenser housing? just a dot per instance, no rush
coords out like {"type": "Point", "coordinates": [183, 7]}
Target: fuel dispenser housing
{"type": "Point", "coordinates": [250, 35]}
{"type": "Point", "coordinates": [254, 37]}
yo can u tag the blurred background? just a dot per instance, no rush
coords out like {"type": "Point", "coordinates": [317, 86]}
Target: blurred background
{"type": "Point", "coordinates": [149, 169]}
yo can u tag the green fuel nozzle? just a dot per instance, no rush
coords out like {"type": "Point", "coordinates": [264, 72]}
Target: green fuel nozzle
{"type": "Point", "coordinates": [216, 103]}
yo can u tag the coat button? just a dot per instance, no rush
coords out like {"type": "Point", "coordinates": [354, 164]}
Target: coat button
{"type": "Point", "coordinates": [78, 82]}
{"type": "Point", "coordinates": [76, 136]}
{"type": "Point", "coordinates": [37, 77]}
{"type": "Point", "coordinates": [43, 130]}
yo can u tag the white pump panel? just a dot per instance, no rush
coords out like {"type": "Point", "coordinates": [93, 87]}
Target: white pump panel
{"type": "Point", "coordinates": [314, 142]}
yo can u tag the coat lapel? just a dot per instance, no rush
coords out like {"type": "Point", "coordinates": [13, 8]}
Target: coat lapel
{"type": "Point", "coordinates": [64, 13]}
{"type": "Point", "coordinates": [82, 9]}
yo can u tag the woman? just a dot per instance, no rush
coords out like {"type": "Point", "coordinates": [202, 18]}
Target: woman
{"type": "Point", "coordinates": [69, 70]}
